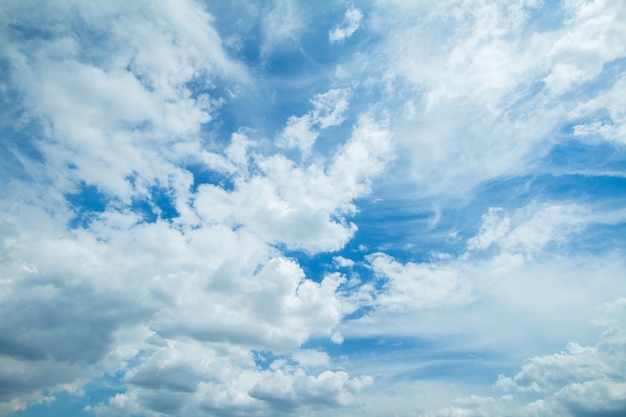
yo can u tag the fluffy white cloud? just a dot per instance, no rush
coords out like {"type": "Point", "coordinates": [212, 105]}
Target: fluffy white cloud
{"type": "Point", "coordinates": [170, 222]}
{"type": "Point", "coordinates": [302, 206]}
{"type": "Point", "coordinates": [531, 228]}
{"type": "Point", "coordinates": [287, 390]}
{"type": "Point", "coordinates": [104, 112]}
{"type": "Point", "coordinates": [176, 305]}
{"type": "Point", "coordinates": [350, 24]}
{"type": "Point", "coordinates": [329, 109]}
{"type": "Point", "coordinates": [417, 286]}
{"type": "Point", "coordinates": [593, 36]}
{"type": "Point", "coordinates": [579, 381]}
{"type": "Point", "coordinates": [514, 265]}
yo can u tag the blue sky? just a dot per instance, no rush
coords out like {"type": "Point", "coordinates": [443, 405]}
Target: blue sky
{"type": "Point", "coordinates": [374, 208]}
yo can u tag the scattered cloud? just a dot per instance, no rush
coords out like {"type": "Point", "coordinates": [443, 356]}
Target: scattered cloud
{"type": "Point", "coordinates": [351, 23]}
{"type": "Point", "coordinates": [208, 209]}
{"type": "Point", "coordinates": [328, 111]}
{"type": "Point", "coordinates": [578, 381]}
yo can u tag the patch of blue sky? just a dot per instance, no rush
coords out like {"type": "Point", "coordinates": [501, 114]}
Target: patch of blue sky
{"type": "Point", "coordinates": [404, 229]}
{"type": "Point", "coordinates": [18, 150]}
{"type": "Point", "coordinates": [421, 358]}
{"type": "Point", "coordinates": [548, 17]}
{"type": "Point", "coordinates": [578, 156]}
{"type": "Point", "coordinates": [238, 25]}
{"type": "Point", "coordinates": [264, 358]}
{"type": "Point", "coordinates": [24, 31]}
{"type": "Point", "coordinates": [599, 239]}
{"type": "Point", "coordinates": [409, 231]}
{"type": "Point", "coordinates": [86, 202]}
{"type": "Point", "coordinates": [63, 405]}
{"type": "Point", "coordinates": [584, 189]}
{"type": "Point", "coordinates": [203, 175]}
{"type": "Point", "coordinates": [158, 205]}
{"type": "Point", "coordinates": [315, 266]}
{"type": "Point", "coordinates": [96, 391]}
{"type": "Point", "coordinates": [304, 58]}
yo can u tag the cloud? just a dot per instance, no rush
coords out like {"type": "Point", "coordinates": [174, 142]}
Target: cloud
{"type": "Point", "coordinates": [281, 27]}
{"type": "Point", "coordinates": [481, 89]}
{"type": "Point", "coordinates": [591, 39]}
{"type": "Point", "coordinates": [579, 381]}
{"type": "Point", "coordinates": [351, 23]}
{"type": "Point", "coordinates": [514, 265]}
{"type": "Point", "coordinates": [208, 209]}
{"type": "Point", "coordinates": [416, 286]}
{"type": "Point", "coordinates": [147, 296]}
{"type": "Point", "coordinates": [284, 391]}
{"type": "Point", "coordinates": [329, 109]}
{"type": "Point", "coordinates": [104, 112]}
{"type": "Point", "coordinates": [532, 229]}
{"type": "Point", "coordinates": [303, 206]}
{"type": "Point", "coordinates": [609, 128]}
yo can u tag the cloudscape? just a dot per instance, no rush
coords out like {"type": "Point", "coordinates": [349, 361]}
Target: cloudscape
{"type": "Point", "coordinates": [398, 208]}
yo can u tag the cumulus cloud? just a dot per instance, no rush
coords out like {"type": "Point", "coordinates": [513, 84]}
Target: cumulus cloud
{"type": "Point", "coordinates": [417, 286]}
{"type": "Point", "coordinates": [165, 299]}
{"type": "Point", "coordinates": [303, 206]}
{"type": "Point", "coordinates": [329, 109]}
{"type": "Point", "coordinates": [513, 258]}
{"type": "Point", "coordinates": [286, 390]}
{"type": "Point", "coordinates": [531, 229]}
{"type": "Point", "coordinates": [104, 112]}
{"type": "Point", "coordinates": [351, 23]}
{"type": "Point", "coordinates": [578, 381]}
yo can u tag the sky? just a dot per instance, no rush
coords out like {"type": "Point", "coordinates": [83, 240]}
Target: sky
{"type": "Point", "coordinates": [399, 208]}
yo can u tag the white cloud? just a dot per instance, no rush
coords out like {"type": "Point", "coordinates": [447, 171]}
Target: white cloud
{"type": "Point", "coordinates": [104, 112]}
{"type": "Point", "coordinates": [343, 262]}
{"type": "Point", "coordinates": [417, 286]}
{"type": "Point", "coordinates": [284, 390]}
{"type": "Point", "coordinates": [494, 228]}
{"type": "Point", "coordinates": [581, 380]}
{"type": "Point", "coordinates": [179, 305]}
{"type": "Point", "coordinates": [329, 110]}
{"type": "Point", "coordinates": [205, 315]}
{"type": "Point", "coordinates": [281, 27]}
{"type": "Point", "coordinates": [351, 23]}
{"type": "Point", "coordinates": [303, 206]}
{"type": "Point", "coordinates": [613, 129]}
{"type": "Point", "coordinates": [486, 89]}
{"type": "Point", "coordinates": [208, 310]}
{"type": "Point", "coordinates": [311, 358]}
{"type": "Point", "coordinates": [593, 36]}
{"type": "Point", "coordinates": [513, 269]}
{"type": "Point", "coordinates": [530, 229]}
